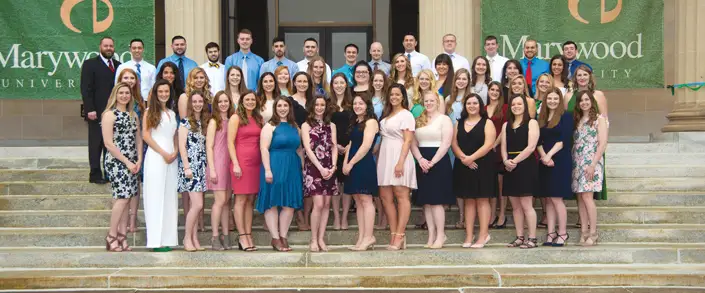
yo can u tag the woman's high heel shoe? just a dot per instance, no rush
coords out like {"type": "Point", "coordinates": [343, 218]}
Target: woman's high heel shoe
{"type": "Point", "coordinates": [494, 222]}
{"type": "Point", "coordinates": [216, 244]}
{"type": "Point", "coordinates": [504, 224]}
{"type": "Point", "coordinates": [583, 238]}
{"type": "Point", "coordinates": [481, 245]}
{"type": "Point", "coordinates": [403, 242]}
{"type": "Point", "coordinates": [591, 240]}
{"type": "Point", "coordinates": [109, 240]}
{"type": "Point", "coordinates": [247, 249]}
{"type": "Point", "coordinates": [550, 239]}
{"type": "Point", "coordinates": [122, 241]}
{"type": "Point", "coordinates": [564, 237]}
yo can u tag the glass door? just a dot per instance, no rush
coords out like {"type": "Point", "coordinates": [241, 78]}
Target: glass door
{"type": "Point", "coordinates": [331, 41]}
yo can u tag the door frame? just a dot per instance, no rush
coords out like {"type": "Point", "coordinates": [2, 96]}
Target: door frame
{"type": "Point", "coordinates": [326, 32]}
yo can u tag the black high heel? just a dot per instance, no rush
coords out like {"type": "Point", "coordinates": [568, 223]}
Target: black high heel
{"type": "Point", "coordinates": [565, 241]}
{"type": "Point", "coordinates": [494, 222]}
{"type": "Point", "coordinates": [504, 225]}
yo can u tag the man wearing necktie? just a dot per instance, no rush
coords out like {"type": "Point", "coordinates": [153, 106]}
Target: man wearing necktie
{"type": "Point", "coordinates": [146, 72]}
{"type": "Point", "coordinates": [570, 52]}
{"type": "Point", "coordinates": [214, 69]}
{"type": "Point", "coordinates": [249, 62]}
{"type": "Point", "coordinates": [183, 63]}
{"type": "Point", "coordinates": [496, 61]}
{"type": "Point", "coordinates": [279, 59]}
{"type": "Point", "coordinates": [533, 66]}
{"type": "Point", "coordinates": [377, 63]}
{"type": "Point", "coordinates": [449, 44]}
{"type": "Point", "coordinates": [418, 61]}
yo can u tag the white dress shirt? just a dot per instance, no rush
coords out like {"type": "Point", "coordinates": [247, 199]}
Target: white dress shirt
{"type": "Point", "coordinates": [216, 76]}
{"type": "Point", "coordinates": [147, 72]}
{"type": "Point", "coordinates": [418, 62]}
{"type": "Point", "coordinates": [303, 66]}
{"type": "Point", "coordinates": [496, 64]}
{"type": "Point", "coordinates": [458, 62]}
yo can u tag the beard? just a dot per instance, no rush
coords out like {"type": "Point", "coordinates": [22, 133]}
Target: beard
{"type": "Point", "coordinates": [107, 54]}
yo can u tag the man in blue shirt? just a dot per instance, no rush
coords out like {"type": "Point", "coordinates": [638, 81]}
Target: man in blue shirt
{"type": "Point", "coordinates": [570, 52]}
{"type": "Point", "coordinates": [249, 62]}
{"type": "Point", "coordinates": [185, 64]}
{"type": "Point", "coordinates": [533, 67]}
{"type": "Point", "coordinates": [350, 59]}
{"type": "Point", "coordinates": [279, 49]}
{"type": "Point", "coordinates": [376, 63]}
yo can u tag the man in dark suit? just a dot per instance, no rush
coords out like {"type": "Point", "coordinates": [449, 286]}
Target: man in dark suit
{"type": "Point", "coordinates": [97, 81]}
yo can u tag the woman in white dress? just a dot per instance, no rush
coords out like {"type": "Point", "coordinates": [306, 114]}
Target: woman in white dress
{"type": "Point", "coordinates": [160, 169]}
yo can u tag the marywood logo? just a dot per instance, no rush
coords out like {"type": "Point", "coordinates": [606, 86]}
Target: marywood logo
{"type": "Point", "coordinates": [99, 26]}
{"type": "Point", "coordinates": [605, 16]}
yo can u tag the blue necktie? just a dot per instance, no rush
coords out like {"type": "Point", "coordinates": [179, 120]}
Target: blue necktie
{"type": "Point", "coordinates": [139, 71]}
{"type": "Point", "coordinates": [182, 74]}
{"type": "Point", "coordinates": [408, 56]}
{"type": "Point", "coordinates": [279, 63]}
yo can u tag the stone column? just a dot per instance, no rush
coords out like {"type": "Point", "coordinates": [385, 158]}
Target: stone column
{"type": "Point", "coordinates": [458, 17]}
{"type": "Point", "coordinates": [689, 108]}
{"type": "Point", "coordinates": [198, 21]}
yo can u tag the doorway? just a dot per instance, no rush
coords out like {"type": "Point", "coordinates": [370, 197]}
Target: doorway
{"type": "Point", "coordinates": [331, 41]}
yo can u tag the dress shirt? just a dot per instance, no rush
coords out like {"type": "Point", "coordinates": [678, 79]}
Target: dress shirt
{"type": "Point", "coordinates": [216, 76]}
{"type": "Point", "coordinates": [147, 72]}
{"type": "Point", "coordinates": [187, 63]}
{"type": "Point", "coordinates": [458, 62]}
{"type": "Point", "coordinates": [273, 63]}
{"type": "Point", "coordinates": [496, 65]}
{"type": "Point", "coordinates": [538, 67]}
{"type": "Point", "coordinates": [381, 65]}
{"type": "Point", "coordinates": [303, 66]}
{"type": "Point", "coordinates": [572, 65]}
{"type": "Point", "coordinates": [254, 63]}
{"type": "Point", "coordinates": [348, 71]}
{"type": "Point", "coordinates": [418, 62]}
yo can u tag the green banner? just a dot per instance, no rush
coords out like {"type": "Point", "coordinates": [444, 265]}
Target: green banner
{"type": "Point", "coordinates": [621, 39]}
{"type": "Point", "coordinates": [43, 43]}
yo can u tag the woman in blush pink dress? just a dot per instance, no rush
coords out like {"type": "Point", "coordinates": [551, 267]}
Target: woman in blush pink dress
{"type": "Point", "coordinates": [243, 145]}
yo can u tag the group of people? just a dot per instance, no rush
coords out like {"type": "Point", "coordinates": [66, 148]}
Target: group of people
{"type": "Point", "coordinates": [292, 140]}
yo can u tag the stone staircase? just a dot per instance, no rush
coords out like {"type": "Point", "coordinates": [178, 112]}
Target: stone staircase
{"type": "Point", "coordinates": [652, 233]}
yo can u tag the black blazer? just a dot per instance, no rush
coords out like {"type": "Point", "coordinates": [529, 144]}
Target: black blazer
{"type": "Point", "coordinates": [97, 81]}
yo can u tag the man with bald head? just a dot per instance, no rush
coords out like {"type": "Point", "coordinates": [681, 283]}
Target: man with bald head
{"type": "Point", "coordinates": [376, 52]}
{"type": "Point", "coordinates": [449, 44]}
{"type": "Point", "coordinates": [533, 66]}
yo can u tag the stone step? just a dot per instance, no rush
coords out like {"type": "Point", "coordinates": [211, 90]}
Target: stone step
{"type": "Point", "coordinates": [609, 233]}
{"type": "Point", "coordinates": [606, 215]}
{"type": "Point", "coordinates": [638, 148]}
{"type": "Point", "coordinates": [647, 158]}
{"type": "Point", "coordinates": [654, 171]}
{"type": "Point", "coordinates": [44, 163]}
{"type": "Point", "coordinates": [82, 187]}
{"type": "Point", "coordinates": [340, 256]}
{"type": "Point", "coordinates": [516, 277]}
{"type": "Point", "coordinates": [104, 201]}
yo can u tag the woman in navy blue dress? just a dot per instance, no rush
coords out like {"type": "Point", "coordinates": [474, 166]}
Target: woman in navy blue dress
{"type": "Point", "coordinates": [281, 179]}
{"type": "Point", "coordinates": [554, 147]}
{"type": "Point", "coordinates": [361, 171]}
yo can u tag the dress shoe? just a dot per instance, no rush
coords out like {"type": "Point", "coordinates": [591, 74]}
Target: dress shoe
{"type": "Point", "coordinates": [98, 181]}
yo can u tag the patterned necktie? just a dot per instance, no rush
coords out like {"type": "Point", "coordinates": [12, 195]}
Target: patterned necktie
{"type": "Point", "coordinates": [139, 71]}
{"type": "Point", "coordinates": [213, 64]}
{"type": "Point", "coordinates": [279, 63]}
{"type": "Point", "coordinates": [110, 65]}
{"type": "Point", "coordinates": [376, 67]}
{"type": "Point", "coordinates": [180, 65]}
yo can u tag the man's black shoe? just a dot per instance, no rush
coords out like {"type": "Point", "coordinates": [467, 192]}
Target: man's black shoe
{"type": "Point", "coordinates": [98, 181]}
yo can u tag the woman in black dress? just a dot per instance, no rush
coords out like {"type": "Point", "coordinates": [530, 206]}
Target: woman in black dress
{"type": "Point", "coordinates": [341, 103]}
{"type": "Point", "coordinates": [519, 139]}
{"type": "Point", "coordinates": [475, 172]}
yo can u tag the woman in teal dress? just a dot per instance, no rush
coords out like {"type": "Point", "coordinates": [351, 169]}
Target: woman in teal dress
{"type": "Point", "coordinates": [281, 181]}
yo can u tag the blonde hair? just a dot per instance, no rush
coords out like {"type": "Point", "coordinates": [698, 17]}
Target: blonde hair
{"type": "Point", "coordinates": [276, 77]}
{"type": "Point", "coordinates": [112, 101]}
{"type": "Point", "coordinates": [190, 85]}
{"type": "Point", "coordinates": [408, 74]}
{"type": "Point", "coordinates": [526, 87]}
{"type": "Point", "coordinates": [324, 77]}
{"type": "Point", "coordinates": [542, 96]}
{"type": "Point", "coordinates": [418, 93]}
{"type": "Point", "coordinates": [423, 118]}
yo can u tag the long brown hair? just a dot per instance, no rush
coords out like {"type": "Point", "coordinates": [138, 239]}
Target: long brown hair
{"type": "Point", "coordinates": [388, 108]}
{"type": "Point", "coordinates": [191, 85]}
{"type": "Point", "coordinates": [276, 79]}
{"type": "Point", "coordinates": [525, 117]}
{"type": "Point", "coordinates": [191, 114]}
{"type": "Point", "coordinates": [444, 58]}
{"type": "Point", "coordinates": [256, 112]}
{"type": "Point", "coordinates": [154, 109]}
{"type": "Point", "coordinates": [275, 120]}
{"type": "Point", "coordinates": [262, 94]}
{"type": "Point", "coordinates": [408, 74]}
{"type": "Point", "coordinates": [500, 101]}
{"type": "Point", "coordinates": [455, 90]}
{"type": "Point", "coordinates": [240, 87]}
{"type": "Point", "coordinates": [543, 116]}
{"type": "Point", "coordinates": [136, 89]}
{"type": "Point", "coordinates": [385, 87]}
{"type": "Point", "coordinates": [591, 82]}
{"type": "Point", "coordinates": [311, 118]}
{"type": "Point", "coordinates": [324, 78]}
{"type": "Point", "coordinates": [346, 104]}
{"type": "Point", "coordinates": [216, 112]}
{"type": "Point", "coordinates": [488, 75]}
{"type": "Point", "coordinates": [578, 113]}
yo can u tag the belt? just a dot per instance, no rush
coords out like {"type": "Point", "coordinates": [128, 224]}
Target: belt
{"type": "Point", "coordinates": [513, 153]}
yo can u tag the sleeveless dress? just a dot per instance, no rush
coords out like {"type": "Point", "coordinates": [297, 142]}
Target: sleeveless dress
{"type": "Point", "coordinates": [196, 154]}
{"type": "Point", "coordinates": [268, 111]}
{"type": "Point", "coordinates": [602, 195]}
{"type": "Point", "coordinates": [123, 182]}
{"type": "Point", "coordinates": [498, 123]}
{"type": "Point", "coordinates": [300, 112]}
{"type": "Point", "coordinates": [160, 182]}
{"type": "Point", "coordinates": [455, 108]}
{"type": "Point", "coordinates": [556, 181]}
{"type": "Point", "coordinates": [436, 186]}
{"type": "Point", "coordinates": [248, 157]}
{"type": "Point", "coordinates": [481, 182]}
{"type": "Point", "coordinates": [378, 106]}
{"type": "Point", "coordinates": [584, 150]}
{"type": "Point", "coordinates": [321, 137]}
{"type": "Point", "coordinates": [363, 175]}
{"type": "Point", "coordinates": [523, 180]}
{"type": "Point", "coordinates": [341, 119]}
{"type": "Point", "coordinates": [391, 129]}
{"type": "Point", "coordinates": [221, 159]}
{"type": "Point", "coordinates": [286, 189]}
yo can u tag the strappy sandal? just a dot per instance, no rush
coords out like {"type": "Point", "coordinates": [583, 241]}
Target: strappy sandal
{"type": "Point", "coordinates": [251, 248]}
{"type": "Point", "coordinates": [285, 243]}
{"type": "Point", "coordinates": [552, 236]}
{"type": "Point", "coordinates": [531, 243]}
{"type": "Point", "coordinates": [122, 241]}
{"type": "Point", "coordinates": [277, 245]}
{"type": "Point", "coordinates": [564, 237]}
{"type": "Point", "coordinates": [109, 240]}
{"type": "Point", "coordinates": [518, 241]}
{"type": "Point", "coordinates": [225, 240]}
{"type": "Point", "coordinates": [216, 244]}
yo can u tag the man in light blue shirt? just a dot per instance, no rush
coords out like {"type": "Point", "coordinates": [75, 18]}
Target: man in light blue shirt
{"type": "Point", "coordinates": [279, 49]}
{"type": "Point", "coordinates": [350, 59]}
{"type": "Point", "coordinates": [376, 52]}
{"type": "Point", "coordinates": [533, 67]}
{"type": "Point", "coordinates": [183, 63]}
{"type": "Point", "coordinates": [249, 62]}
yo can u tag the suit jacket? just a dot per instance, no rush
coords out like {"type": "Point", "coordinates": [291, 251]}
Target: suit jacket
{"type": "Point", "coordinates": [97, 81]}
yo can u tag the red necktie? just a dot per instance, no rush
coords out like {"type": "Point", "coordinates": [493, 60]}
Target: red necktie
{"type": "Point", "coordinates": [528, 74]}
{"type": "Point", "coordinates": [110, 65]}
